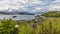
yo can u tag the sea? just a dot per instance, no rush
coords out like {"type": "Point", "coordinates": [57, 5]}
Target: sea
{"type": "Point", "coordinates": [19, 17]}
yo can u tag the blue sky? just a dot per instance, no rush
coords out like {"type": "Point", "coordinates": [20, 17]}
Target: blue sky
{"type": "Point", "coordinates": [30, 5]}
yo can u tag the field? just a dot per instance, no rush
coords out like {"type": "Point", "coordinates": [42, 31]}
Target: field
{"type": "Point", "coordinates": [48, 26]}
{"type": "Point", "coordinates": [47, 23]}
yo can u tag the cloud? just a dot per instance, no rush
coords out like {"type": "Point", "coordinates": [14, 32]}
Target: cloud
{"type": "Point", "coordinates": [19, 4]}
{"type": "Point", "coordinates": [52, 5]}
{"type": "Point", "coordinates": [37, 9]}
{"type": "Point", "coordinates": [54, 8]}
{"type": "Point", "coordinates": [30, 5]}
{"type": "Point", "coordinates": [13, 4]}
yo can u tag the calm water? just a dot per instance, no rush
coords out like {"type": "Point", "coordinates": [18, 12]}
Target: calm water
{"type": "Point", "coordinates": [19, 17]}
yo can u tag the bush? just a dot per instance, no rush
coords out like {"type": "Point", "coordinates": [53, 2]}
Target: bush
{"type": "Point", "coordinates": [7, 26]}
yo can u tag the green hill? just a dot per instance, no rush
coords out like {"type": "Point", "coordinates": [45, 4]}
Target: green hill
{"type": "Point", "coordinates": [2, 13]}
{"type": "Point", "coordinates": [52, 14]}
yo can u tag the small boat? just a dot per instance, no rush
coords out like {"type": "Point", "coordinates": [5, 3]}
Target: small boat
{"type": "Point", "coordinates": [14, 16]}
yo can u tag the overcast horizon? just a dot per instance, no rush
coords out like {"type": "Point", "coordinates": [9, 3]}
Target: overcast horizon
{"type": "Point", "coordinates": [30, 5]}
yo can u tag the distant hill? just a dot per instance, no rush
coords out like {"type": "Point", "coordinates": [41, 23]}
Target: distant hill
{"type": "Point", "coordinates": [24, 13]}
{"type": "Point", "coordinates": [2, 13]}
{"type": "Point", "coordinates": [52, 14]}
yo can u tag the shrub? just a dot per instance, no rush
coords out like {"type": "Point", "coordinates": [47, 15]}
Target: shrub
{"type": "Point", "coordinates": [7, 26]}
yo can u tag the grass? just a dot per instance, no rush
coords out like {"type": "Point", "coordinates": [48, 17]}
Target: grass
{"type": "Point", "coordinates": [48, 26]}
{"type": "Point", "coordinates": [52, 14]}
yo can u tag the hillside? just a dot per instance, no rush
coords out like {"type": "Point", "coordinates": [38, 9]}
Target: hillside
{"type": "Point", "coordinates": [2, 13]}
{"type": "Point", "coordinates": [52, 14]}
{"type": "Point", "coordinates": [10, 13]}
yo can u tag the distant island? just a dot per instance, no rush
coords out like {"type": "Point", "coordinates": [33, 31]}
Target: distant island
{"type": "Point", "coordinates": [22, 13]}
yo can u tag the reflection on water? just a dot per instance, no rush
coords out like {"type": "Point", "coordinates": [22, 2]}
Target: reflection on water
{"type": "Point", "coordinates": [19, 17]}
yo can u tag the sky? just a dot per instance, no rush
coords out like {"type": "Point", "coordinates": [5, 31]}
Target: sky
{"type": "Point", "coordinates": [30, 5]}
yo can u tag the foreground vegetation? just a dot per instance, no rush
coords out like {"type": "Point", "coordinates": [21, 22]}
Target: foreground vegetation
{"type": "Point", "coordinates": [49, 25]}
{"type": "Point", "coordinates": [7, 26]}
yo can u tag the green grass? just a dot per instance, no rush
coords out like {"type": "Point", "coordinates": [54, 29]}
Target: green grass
{"type": "Point", "coordinates": [52, 14]}
{"type": "Point", "coordinates": [48, 26]}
